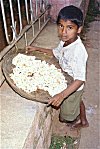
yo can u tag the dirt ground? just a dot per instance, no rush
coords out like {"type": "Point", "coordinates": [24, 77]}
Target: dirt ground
{"type": "Point", "coordinates": [90, 137]}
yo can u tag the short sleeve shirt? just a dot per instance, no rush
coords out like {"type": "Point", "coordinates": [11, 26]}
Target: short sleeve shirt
{"type": "Point", "coordinates": [72, 59]}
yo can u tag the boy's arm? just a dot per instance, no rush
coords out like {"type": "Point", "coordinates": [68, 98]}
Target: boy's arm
{"type": "Point", "coordinates": [58, 98]}
{"type": "Point", "coordinates": [44, 50]}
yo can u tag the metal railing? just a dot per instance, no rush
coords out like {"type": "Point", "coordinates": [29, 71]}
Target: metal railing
{"type": "Point", "coordinates": [35, 11]}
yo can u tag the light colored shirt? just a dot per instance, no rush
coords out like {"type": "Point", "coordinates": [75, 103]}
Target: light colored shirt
{"type": "Point", "coordinates": [72, 59]}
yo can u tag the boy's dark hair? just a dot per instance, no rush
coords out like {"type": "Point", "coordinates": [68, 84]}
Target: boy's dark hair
{"type": "Point", "coordinates": [71, 13]}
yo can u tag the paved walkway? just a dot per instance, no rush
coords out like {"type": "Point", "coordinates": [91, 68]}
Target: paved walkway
{"type": "Point", "coordinates": [90, 137]}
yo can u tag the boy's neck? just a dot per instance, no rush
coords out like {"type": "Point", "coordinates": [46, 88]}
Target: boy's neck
{"type": "Point", "coordinates": [66, 43]}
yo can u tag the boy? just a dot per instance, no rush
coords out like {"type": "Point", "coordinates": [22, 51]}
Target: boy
{"type": "Point", "coordinates": [72, 57]}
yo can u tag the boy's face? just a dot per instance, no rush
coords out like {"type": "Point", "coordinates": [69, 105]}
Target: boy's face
{"type": "Point", "coordinates": [68, 31]}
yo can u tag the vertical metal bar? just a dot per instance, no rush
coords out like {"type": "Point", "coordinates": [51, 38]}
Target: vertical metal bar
{"type": "Point", "coordinates": [12, 19]}
{"type": "Point", "coordinates": [44, 17]}
{"type": "Point", "coordinates": [14, 31]}
{"type": "Point", "coordinates": [43, 5]}
{"type": "Point", "coordinates": [40, 4]}
{"type": "Point", "coordinates": [26, 8]}
{"type": "Point", "coordinates": [33, 30]}
{"type": "Point", "coordinates": [26, 42]}
{"type": "Point", "coordinates": [31, 10]}
{"type": "Point", "coordinates": [4, 21]}
{"type": "Point", "coordinates": [19, 13]}
{"type": "Point", "coordinates": [36, 8]}
{"type": "Point", "coordinates": [39, 23]}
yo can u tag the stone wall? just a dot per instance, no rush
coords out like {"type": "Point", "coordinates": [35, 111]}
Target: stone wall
{"type": "Point", "coordinates": [84, 6]}
{"type": "Point", "coordinates": [40, 133]}
{"type": "Point", "coordinates": [58, 4]}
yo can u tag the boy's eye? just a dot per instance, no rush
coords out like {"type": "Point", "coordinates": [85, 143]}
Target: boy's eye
{"type": "Point", "coordinates": [60, 26]}
{"type": "Point", "coordinates": [69, 27]}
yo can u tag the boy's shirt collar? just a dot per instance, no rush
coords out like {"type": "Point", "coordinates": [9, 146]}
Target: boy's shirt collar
{"type": "Point", "coordinates": [75, 42]}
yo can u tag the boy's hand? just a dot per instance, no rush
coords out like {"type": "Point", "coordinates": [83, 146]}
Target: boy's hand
{"type": "Point", "coordinates": [56, 100]}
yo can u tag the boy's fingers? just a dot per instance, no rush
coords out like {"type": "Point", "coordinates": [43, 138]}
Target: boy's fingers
{"type": "Point", "coordinates": [49, 104]}
{"type": "Point", "coordinates": [28, 49]}
{"type": "Point", "coordinates": [52, 102]}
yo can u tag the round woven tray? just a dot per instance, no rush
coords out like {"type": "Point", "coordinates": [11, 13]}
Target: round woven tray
{"type": "Point", "coordinates": [39, 95]}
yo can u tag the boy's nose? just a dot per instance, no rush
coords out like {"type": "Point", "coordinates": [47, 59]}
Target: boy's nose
{"type": "Point", "coordinates": [64, 31]}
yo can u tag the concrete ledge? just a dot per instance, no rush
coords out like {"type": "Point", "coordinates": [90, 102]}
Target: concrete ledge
{"type": "Point", "coordinates": [24, 124]}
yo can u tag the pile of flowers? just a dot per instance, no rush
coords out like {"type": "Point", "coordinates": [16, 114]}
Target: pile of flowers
{"type": "Point", "coordinates": [30, 74]}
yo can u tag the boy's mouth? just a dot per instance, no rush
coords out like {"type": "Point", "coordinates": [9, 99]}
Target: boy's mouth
{"type": "Point", "coordinates": [64, 38]}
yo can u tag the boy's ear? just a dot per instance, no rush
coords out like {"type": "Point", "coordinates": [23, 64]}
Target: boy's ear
{"type": "Point", "coordinates": [80, 29]}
